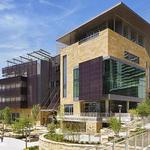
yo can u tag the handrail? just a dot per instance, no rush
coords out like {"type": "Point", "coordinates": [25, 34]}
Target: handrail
{"type": "Point", "coordinates": [94, 35]}
{"type": "Point", "coordinates": [54, 98]}
{"type": "Point", "coordinates": [47, 100]}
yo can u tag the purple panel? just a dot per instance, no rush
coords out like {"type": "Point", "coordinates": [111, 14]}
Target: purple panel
{"type": "Point", "coordinates": [90, 77]}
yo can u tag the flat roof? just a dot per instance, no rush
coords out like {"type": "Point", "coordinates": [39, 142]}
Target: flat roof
{"type": "Point", "coordinates": [120, 10]}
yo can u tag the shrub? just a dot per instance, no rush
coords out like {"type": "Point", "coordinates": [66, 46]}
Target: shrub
{"type": "Point", "coordinates": [32, 148]}
{"type": "Point", "coordinates": [55, 137]}
{"type": "Point", "coordinates": [51, 128]}
{"type": "Point", "coordinates": [115, 125]}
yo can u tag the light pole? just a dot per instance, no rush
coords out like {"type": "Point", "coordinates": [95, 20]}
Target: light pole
{"type": "Point", "coordinates": [119, 108]}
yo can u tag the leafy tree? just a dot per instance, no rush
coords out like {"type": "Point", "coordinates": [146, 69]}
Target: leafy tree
{"type": "Point", "coordinates": [35, 113]}
{"type": "Point", "coordinates": [23, 126]}
{"type": "Point", "coordinates": [5, 117]}
{"type": "Point", "coordinates": [133, 112]}
{"type": "Point", "coordinates": [115, 125]}
{"type": "Point", "coordinates": [143, 108]}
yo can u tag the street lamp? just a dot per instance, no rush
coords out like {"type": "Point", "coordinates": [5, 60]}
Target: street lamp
{"type": "Point", "coordinates": [119, 108]}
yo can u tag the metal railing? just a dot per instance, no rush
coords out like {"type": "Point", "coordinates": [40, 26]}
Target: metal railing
{"type": "Point", "coordinates": [137, 142]}
{"type": "Point", "coordinates": [104, 117]}
{"type": "Point", "coordinates": [94, 35]}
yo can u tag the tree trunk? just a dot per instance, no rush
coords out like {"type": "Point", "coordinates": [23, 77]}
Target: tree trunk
{"type": "Point", "coordinates": [3, 130]}
{"type": "Point", "coordinates": [26, 140]}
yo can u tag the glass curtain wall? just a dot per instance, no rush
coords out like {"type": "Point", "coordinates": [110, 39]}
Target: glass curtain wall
{"type": "Point", "coordinates": [123, 79]}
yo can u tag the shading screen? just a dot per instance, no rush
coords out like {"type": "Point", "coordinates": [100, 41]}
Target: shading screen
{"type": "Point", "coordinates": [90, 79]}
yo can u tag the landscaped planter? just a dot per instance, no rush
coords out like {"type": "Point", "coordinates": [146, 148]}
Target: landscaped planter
{"type": "Point", "coordinates": [45, 144]}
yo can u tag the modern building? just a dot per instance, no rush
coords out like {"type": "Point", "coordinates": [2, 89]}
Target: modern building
{"type": "Point", "coordinates": [104, 64]}
{"type": "Point", "coordinates": [31, 80]}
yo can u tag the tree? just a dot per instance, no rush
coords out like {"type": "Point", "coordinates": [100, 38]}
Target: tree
{"type": "Point", "coordinates": [35, 113]}
{"type": "Point", "coordinates": [115, 125]}
{"type": "Point", "coordinates": [133, 112]}
{"type": "Point", "coordinates": [23, 126]}
{"type": "Point", "coordinates": [5, 117]}
{"type": "Point", "coordinates": [143, 108]}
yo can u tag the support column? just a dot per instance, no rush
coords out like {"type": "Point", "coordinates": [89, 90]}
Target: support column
{"type": "Point", "coordinates": [106, 106]}
{"type": "Point", "coordinates": [127, 105]}
{"type": "Point", "coordinates": [98, 107]}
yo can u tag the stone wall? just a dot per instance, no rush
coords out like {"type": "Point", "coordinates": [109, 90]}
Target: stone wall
{"type": "Point", "coordinates": [45, 144]}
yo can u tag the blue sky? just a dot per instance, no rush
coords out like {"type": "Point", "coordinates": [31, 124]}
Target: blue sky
{"type": "Point", "coordinates": [27, 25]}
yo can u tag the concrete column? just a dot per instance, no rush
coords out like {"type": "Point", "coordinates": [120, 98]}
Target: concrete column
{"type": "Point", "coordinates": [107, 106]}
{"type": "Point", "coordinates": [98, 107]}
{"type": "Point", "coordinates": [127, 106]}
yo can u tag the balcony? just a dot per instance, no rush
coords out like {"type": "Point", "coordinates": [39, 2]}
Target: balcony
{"type": "Point", "coordinates": [92, 36]}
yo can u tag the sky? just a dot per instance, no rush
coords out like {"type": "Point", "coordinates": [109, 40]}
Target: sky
{"type": "Point", "coordinates": [29, 25]}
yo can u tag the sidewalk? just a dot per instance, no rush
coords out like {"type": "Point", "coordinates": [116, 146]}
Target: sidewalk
{"type": "Point", "coordinates": [14, 144]}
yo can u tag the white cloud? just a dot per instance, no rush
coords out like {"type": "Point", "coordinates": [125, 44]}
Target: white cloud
{"type": "Point", "coordinates": [6, 5]}
{"type": "Point", "coordinates": [64, 11]}
{"type": "Point", "coordinates": [12, 21]}
{"type": "Point", "coordinates": [67, 13]}
{"type": "Point", "coordinates": [46, 2]}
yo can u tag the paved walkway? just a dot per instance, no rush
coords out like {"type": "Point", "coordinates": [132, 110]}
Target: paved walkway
{"type": "Point", "coordinates": [14, 144]}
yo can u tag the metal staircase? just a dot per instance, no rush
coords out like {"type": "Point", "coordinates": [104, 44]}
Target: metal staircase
{"type": "Point", "coordinates": [52, 102]}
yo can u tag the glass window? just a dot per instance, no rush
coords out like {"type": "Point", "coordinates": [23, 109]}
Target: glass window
{"type": "Point", "coordinates": [118, 26]}
{"type": "Point", "coordinates": [102, 26]}
{"type": "Point", "coordinates": [125, 32]}
{"type": "Point", "coordinates": [133, 36]}
{"type": "Point", "coordinates": [65, 76]}
{"type": "Point", "coordinates": [111, 24]}
{"type": "Point", "coordinates": [131, 57]}
{"type": "Point", "coordinates": [68, 109]}
{"type": "Point", "coordinates": [76, 83]}
{"type": "Point", "coordinates": [90, 107]}
{"type": "Point", "coordinates": [140, 40]}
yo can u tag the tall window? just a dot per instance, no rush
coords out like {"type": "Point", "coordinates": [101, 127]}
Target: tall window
{"type": "Point", "coordinates": [65, 76]}
{"type": "Point", "coordinates": [76, 84]}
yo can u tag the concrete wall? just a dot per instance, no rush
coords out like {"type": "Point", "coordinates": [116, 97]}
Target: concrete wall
{"type": "Point", "coordinates": [117, 44]}
{"type": "Point", "coordinates": [45, 144]}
